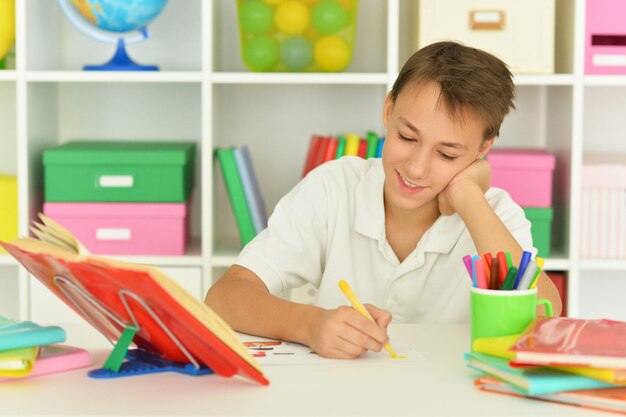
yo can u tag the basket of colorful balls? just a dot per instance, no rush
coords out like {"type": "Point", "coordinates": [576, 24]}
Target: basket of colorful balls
{"type": "Point", "coordinates": [297, 35]}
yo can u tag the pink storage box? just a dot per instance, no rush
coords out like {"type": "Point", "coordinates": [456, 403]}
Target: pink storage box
{"type": "Point", "coordinates": [605, 37]}
{"type": "Point", "coordinates": [603, 211]}
{"type": "Point", "coordinates": [125, 228]}
{"type": "Point", "coordinates": [525, 174]}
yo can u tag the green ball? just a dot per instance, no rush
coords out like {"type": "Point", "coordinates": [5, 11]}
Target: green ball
{"type": "Point", "coordinates": [296, 53]}
{"type": "Point", "coordinates": [256, 17]}
{"type": "Point", "coordinates": [261, 53]}
{"type": "Point", "coordinates": [328, 17]}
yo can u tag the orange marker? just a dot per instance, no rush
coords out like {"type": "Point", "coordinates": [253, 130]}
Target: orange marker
{"type": "Point", "coordinates": [503, 266]}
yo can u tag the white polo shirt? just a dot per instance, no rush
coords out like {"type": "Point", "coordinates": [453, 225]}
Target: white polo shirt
{"type": "Point", "coordinates": [331, 226]}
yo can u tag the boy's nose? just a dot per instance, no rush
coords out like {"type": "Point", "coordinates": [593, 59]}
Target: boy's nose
{"type": "Point", "coordinates": [419, 165]}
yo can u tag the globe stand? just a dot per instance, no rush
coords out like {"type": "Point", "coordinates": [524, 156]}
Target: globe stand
{"type": "Point", "coordinates": [121, 62]}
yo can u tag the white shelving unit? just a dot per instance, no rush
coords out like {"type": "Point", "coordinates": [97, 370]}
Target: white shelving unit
{"type": "Point", "coordinates": [204, 93]}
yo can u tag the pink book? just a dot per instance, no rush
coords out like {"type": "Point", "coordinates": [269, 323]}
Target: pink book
{"type": "Point", "coordinates": [57, 358]}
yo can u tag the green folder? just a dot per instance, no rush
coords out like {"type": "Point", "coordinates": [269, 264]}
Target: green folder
{"type": "Point", "coordinates": [236, 194]}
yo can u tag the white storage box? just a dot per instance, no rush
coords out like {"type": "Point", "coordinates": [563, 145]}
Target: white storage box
{"type": "Point", "coordinates": [521, 33]}
{"type": "Point", "coordinates": [603, 217]}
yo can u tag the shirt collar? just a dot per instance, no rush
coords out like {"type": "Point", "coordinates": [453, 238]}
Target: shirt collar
{"type": "Point", "coordinates": [370, 215]}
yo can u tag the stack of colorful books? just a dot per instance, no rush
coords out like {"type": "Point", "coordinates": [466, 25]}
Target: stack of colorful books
{"type": "Point", "coordinates": [326, 148]}
{"type": "Point", "coordinates": [565, 360]}
{"type": "Point", "coordinates": [28, 349]}
{"type": "Point", "coordinates": [243, 191]}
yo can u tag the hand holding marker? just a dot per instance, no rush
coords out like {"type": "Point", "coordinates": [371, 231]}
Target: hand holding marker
{"type": "Point", "coordinates": [498, 273]}
{"type": "Point", "coordinates": [345, 288]}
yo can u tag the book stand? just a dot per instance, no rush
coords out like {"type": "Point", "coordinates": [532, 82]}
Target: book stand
{"type": "Point", "coordinates": [138, 361]}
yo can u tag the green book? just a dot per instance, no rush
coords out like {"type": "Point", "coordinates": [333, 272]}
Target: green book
{"type": "Point", "coordinates": [372, 145]}
{"type": "Point", "coordinates": [341, 147]}
{"type": "Point", "coordinates": [236, 194]}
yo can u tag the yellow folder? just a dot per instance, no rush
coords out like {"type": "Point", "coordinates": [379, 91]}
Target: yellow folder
{"type": "Point", "coordinates": [17, 362]}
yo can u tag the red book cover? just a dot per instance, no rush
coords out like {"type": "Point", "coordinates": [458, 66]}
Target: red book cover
{"type": "Point", "coordinates": [362, 148]}
{"type": "Point", "coordinates": [331, 149]}
{"type": "Point", "coordinates": [577, 342]}
{"type": "Point", "coordinates": [111, 294]}
{"type": "Point", "coordinates": [311, 155]}
{"type": "Point", "coordinates": [560, 282]}
{"type": "Point", "coordinates": [320, 151]}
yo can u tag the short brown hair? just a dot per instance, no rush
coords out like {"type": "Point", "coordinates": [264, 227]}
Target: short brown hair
{"type": "Point", "coordinates": [469, 79]}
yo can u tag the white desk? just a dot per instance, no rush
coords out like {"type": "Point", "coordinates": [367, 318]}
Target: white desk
{"type": "Point", "coordinates": [439, 386]}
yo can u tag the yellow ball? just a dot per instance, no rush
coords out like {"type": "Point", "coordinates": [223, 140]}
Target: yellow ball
{"type": "Point", "coordinates": [273, 2]}
{"type": "Point", "coordinates": [309, 2]}
{"type": "Point", "coordinates": [292, 17]}
{"type": "Point", "coordinates": [7, 26]}
{"type": "Point", "coordinates": [332, 53]}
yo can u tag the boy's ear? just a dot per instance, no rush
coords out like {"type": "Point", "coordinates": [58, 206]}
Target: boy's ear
{"type": "Point", "coordinates": [485, 147]}
{"type": "Point", "coordinates": [387, 109]}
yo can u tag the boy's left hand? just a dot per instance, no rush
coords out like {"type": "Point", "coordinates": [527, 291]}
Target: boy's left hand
{"type": "Point", "coordinates": [476, 176]}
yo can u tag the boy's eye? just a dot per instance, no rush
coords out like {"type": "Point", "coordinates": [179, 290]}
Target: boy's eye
{"type": "Point", "coordinates": [405, 138]}
{"type": "Point", "coordinates": [447, 157]}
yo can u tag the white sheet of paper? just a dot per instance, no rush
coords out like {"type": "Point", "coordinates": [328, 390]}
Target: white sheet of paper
{"type": "Point", "coordinates": [276, 352]}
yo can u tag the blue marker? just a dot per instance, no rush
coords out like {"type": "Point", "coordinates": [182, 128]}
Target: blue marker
{"type": "Point", "coordinates": [522, 267]}
{"type": "Point", "coordinates": [474, 279]}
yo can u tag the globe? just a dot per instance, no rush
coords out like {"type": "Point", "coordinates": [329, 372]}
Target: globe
{"type": "Point", "coordinates": [93, 17]}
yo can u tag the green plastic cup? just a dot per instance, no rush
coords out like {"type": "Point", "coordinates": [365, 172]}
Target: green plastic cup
{"type": "Point", "coordinates": [503, 313]}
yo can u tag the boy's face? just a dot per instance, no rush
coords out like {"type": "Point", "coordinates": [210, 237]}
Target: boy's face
{"type": "Point", "coordinates": [425, 148]}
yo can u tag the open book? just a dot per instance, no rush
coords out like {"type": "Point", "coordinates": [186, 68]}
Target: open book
{"type": "Point", "coordinates": [113, 295]}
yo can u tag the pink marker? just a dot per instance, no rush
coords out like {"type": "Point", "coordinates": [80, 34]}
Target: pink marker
{"type": "Point", "coordinates": [467, 260]}
{"type": "Point", "coordinates": [481, 278]}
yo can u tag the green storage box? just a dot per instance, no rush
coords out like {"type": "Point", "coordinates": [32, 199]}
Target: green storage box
{"type": "Point", "coordinates": [98, 171]}
{"type": "Point", "coordinates": [541, 229]}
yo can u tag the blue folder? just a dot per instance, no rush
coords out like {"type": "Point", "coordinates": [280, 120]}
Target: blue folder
{"type": "Point", "coordinates": [15, 334]}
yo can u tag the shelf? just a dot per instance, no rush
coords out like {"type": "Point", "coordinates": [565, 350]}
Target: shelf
{"type": "Point", "coordinates": [111, 76]}
{"type": "Point", "coordinates": [299, 78]}
{"type": "Point", "coordinates": [7, 260]}
{"type": "Point", "coordinates": [8, 75]}
{"type": "Point", "coordinates": [605, 80]}
{"type": "Point", "coordinates": [603, 264]}
{"type": "Point", "coordinates": [557, 264]}
{"type": "Point", "coordinates": [224, 258]}
{"type": "Point", "coordinates": [538, 80]}
{"type": "Point", "coordinates": [193, 257]}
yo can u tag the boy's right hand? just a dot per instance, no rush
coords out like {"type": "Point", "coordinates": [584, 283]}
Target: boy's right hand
{"type": "Point", "coordinates": [344, 333]}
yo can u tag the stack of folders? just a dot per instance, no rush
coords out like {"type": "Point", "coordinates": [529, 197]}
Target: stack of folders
{"type": "Point", "coordinates": [499, 273]}
{"type": "Point", "coordinates": [565, 360]}
{"type": "Point", "coordinates": [28, 349]}
{"type": "Point", "coordinates": [326, 148]}
{"type": "Point", "coordinates": [243, 191]}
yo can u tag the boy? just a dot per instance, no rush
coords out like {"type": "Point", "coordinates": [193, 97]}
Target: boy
{"type": "Point", "coordinates": [395, 229]}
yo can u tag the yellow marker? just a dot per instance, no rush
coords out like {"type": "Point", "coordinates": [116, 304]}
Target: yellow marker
{"type": "Point", "coordinates": [539, 262]}
{"type": "Point", "coordinates": [345, 288]}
